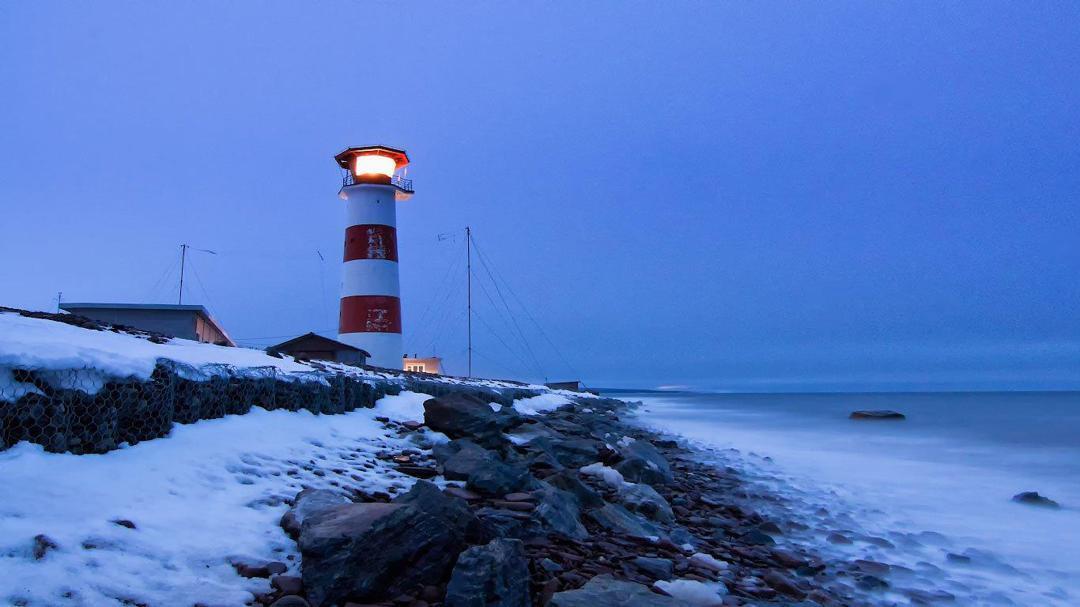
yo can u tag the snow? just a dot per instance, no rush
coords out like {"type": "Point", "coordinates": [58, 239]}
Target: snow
{"type": "Point", "coordinates": [404, 407]}
{"type": "Point", "coordinates": [209, 492]}
{"type": "Point", "coordinates": [692, 592]}
{"type": "Point", "coordinates": [35, 343]}
{"type": "Point", "coordinates": [708, 561]}
{"type": "Point", "coordinates": [610, 476]}
{"type": "Point", "coordinates": [541, 403]}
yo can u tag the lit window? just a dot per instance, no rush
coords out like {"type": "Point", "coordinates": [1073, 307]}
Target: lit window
{"type": "Point", "coordinates": [381, 165]}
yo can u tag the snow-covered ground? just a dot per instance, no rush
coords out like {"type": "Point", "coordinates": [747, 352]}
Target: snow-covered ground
{"type": "Point", "coordinates": [210, 493]}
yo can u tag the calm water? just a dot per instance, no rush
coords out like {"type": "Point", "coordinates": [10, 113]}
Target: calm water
{"type": "Point", "coordinates": [950, 468]}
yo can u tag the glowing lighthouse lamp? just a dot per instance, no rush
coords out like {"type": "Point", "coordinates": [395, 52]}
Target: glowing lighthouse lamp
{"type": "Point", "coordinates": [370, 295]}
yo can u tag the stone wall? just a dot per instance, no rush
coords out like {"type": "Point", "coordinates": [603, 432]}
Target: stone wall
{"type": "Point", "coordinates": [78, 411]}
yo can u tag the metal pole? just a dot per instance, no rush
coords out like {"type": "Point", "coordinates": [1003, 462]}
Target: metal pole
{"type": "Point", "coordinates": [183, 255]}
{"type": "Point", "coordinates": [468, 275]}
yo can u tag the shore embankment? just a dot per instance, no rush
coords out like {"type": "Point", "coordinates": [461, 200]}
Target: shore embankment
{"type": "Point", "coordinates": [571, 506]}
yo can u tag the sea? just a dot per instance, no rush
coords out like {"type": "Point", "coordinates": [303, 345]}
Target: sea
{"type": "Point", "coordinates": [937, 486]}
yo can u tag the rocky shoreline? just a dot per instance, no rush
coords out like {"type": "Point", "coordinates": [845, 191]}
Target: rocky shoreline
{"type": "Point", "coordinates": [574, 507]}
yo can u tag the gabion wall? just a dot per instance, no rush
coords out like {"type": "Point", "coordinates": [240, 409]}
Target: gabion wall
{"type": "Point", "coordinates": [78, 411]}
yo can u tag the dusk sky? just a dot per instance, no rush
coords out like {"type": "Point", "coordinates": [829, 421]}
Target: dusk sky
{"type": "Point", "coordinates": [726, 195]}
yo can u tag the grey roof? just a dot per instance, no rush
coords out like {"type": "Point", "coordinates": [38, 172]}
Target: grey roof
{"type": "Point", "coordinates": [133, 306]}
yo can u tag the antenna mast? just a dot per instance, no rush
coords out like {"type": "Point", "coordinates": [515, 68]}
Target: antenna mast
{"type": "Point", "coordinates": [183, 257]}
{"type": "Point", "coordinates": [468, 277]}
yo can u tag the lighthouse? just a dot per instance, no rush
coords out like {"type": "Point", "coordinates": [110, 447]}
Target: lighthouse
{"type": "Point", "coordinates": [370, 316]}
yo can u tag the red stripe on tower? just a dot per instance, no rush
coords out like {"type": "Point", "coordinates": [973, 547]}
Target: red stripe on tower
{"type": "Point", "coordinates": [371, 241]}
{"type": "Point", "coordinates": [370, 314]}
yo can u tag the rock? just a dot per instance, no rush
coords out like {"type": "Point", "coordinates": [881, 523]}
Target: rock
{"type": "Point", "coordinates": [306, 503]}
{"type": "Point", "coordinates": [758, 538]}
{"type": "Point", "coordinates": [42, 545]}
{"type": "Point", "coordinates": [645, 500]}
{"type": "Point", "coordinates": [642, 463]}
{"type": "Point", "coordinates": [453, 512]}
{"type": "Point", "coordinates": [461, 492]}
{"type": "Point", "coordinates": [568, 481]}
{"type": "Point", "coordinates": [550, 566]}
{"type": "Point", "coordinates": [606, 591]}
{"type": "Point", "coordinates": [340, 562]}
{"type": "Point", "coordinates": [290, 601]}
{"type": "Point", "coordinates": [1033, 498]}
{"type": "Point", "coordinates": [576, 452]}
{"type": "Point", "coordinates": [418, 471]}
{"type": "Point", "coordinates": [258, 570]}
{"type": "Point", "coordinates": [287, 584]}
{"type": "Point", "coordinates": [784, 585]}
{"type": "Point", "coordinates": [519, 497]}
{"type": "Point", "coordinates": [617, 519]}
{"type": "Point", "coordinates": [123, 523]}
{"type": "Point", "coordinates": [465, 416]}
{"type": "Point", "coordinates": [558, 512]}
{"type": "Point", "coordinates": [493, 575]}
{"type": "Point", "coordinates": [483, 470]}
{"type": "Point", "coordinates": [838, 538]}
{"type": "Point", "coordinates": [655, 568]}
{"type": "Point", "coordinates": [880, 414]}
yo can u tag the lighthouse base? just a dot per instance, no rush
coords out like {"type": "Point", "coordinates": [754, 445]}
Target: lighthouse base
{"type": "Point", "coordinates": [385, 349]}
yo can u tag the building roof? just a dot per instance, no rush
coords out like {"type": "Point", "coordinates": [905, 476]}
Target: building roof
{"type": "Point", "coordinates": [331, 344]}
{"type": "Point", "coordinates": [399, 156]}
{"type": "Point", "coordinates": [196, 308]}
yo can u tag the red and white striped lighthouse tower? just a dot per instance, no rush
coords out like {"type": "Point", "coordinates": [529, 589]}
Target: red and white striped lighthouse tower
{"type": "Point", "coordinates": [370, 296]}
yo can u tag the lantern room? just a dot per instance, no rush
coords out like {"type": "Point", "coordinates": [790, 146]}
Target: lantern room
{"type": "Point", "coordinates": [375, 164]}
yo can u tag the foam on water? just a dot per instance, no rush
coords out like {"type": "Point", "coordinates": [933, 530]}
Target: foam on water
{"type": "Point", "coordinates": [929, 496]}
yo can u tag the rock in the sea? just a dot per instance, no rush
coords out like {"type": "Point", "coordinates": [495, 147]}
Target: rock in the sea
{"type": "Point", "coordinates": [370, 552]}
{"type": "Point", "coordinates": [880, 414]}
{"type": "Point", "coordinates": [642, 463]}
{"type": "Point", "coordinates": [617, 519]}
{"type": "Point", "coordinates": [606, 591]}
{"type": "Point", "coordinates": [645, 500]}
{"type": "Point", "coordinates": [1033, 498]}
{"type": "Point", "coordinates": [308, 502]}
{"type": "Point", "coordinates": [465, 416]}
{"type": "Point", "coordinates": [492, 575]}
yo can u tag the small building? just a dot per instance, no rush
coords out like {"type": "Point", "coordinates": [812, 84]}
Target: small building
{"type": "Point", "coordinates": [312, 346]}
{"type": "Point", "coordinates": [574, 386]}
{"type": "Point", "coordinates": [431, 364]}
{"type": "Point", "coordinates": [175, 320]}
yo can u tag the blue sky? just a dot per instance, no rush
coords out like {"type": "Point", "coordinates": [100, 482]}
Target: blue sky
{"type": "Point", "coordinates": [733, 195]}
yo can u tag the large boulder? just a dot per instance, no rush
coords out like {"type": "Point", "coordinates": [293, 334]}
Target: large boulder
{"type": "Point", "coordinates": [606, 591]}
{"type": "Point", "coordinates": [305, 504]}
{"type": "Point", "coordinates": [576, 452]}
{"type": "Point", "coordinates": [465, 416]}
{"type": "Point", "coordinates": [492, 575]}
{"type": "Point", "coordinates": [569, 481]}
{"type": "Point", "coordinates": [453, 512]}
{"type": "Point", "coordinates": [370, 552]}
{"type": "Point", "coordinates": [645, 500]}
{"type": "Point", "coordinates": [482, 470]}
{"type": "Point", "coordinates": [642, 463]}
{"type": "Point", "coordinates": [558, 512]}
